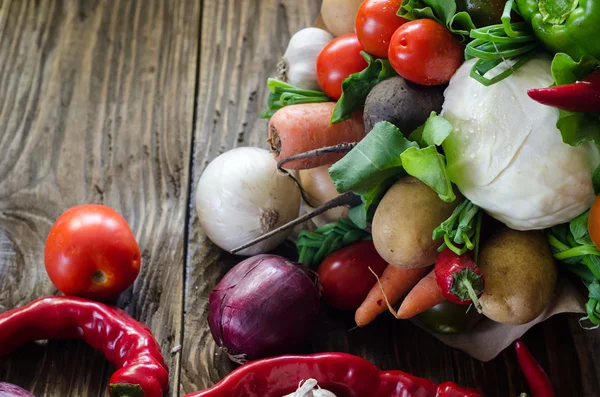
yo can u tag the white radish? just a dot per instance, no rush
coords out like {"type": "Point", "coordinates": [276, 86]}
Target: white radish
{"type": "Point", "coordinates": [299, 63]}
{"type": "Point", "coordinates": [241, 195]}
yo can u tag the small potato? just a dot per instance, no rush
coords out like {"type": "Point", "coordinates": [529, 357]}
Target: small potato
{"type": "Point", "coordinates": [340, 15]}
{"type": "Point", "coordinates": [520, 276]}
{"type": "Point", "coordinates": [404, 222]}
{"type": "Point", "coordinates": [319, 189]}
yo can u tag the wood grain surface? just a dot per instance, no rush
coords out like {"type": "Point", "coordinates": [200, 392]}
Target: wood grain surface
{"type": "Point", "coordinates": [124, 103]}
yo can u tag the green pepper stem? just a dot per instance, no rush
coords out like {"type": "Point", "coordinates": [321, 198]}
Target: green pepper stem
{"type": "Point", "coordinates": [467, 284]}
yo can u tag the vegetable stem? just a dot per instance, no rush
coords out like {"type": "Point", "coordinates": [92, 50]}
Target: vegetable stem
{"type": "Point", "coordinates": [348, 198]}
{"type": "Point", "coordinates": [340, 148]}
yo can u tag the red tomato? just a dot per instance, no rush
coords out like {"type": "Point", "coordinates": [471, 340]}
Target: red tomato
{"type": "Point", "coordinates": [338, 60]}
{"type": "Point", "coordinates": [594, 222]}
{"type": "Point", "coordinates": [376, 23]}
{"type": "Point", "coordinates": [91, 252]}
{"type": "Point", "coordinates": [425, 52]}
{"type": "Point", "coordinates": [345, 275]}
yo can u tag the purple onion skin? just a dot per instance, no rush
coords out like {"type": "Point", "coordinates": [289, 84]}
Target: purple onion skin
{"type": "Point", "coordinates": [264, 306]}
{"type": "Point", "coordinates": [9, 390]}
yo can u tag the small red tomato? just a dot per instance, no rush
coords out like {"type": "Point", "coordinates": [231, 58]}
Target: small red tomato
{"type": "Point", "coordinates": [425, 52]}
{"type": "Point", "coordinates": [376, 23]}
{"type": "Point", "coordinates": [594, 222]}
{"type": "Point", "coordinates": [345, 275]}
{"type": "Point", "coordinates": [338, 60]}
{"type": "Point", "coordinates": [91, 252]}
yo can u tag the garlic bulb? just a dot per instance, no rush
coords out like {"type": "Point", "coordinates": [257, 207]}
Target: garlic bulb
{"type": "Point", "coordinates": [241, 195]}
{"type": "Point", "coordinates": [307, 389]}
{"type": "Point", "coordinates": [299, 63]}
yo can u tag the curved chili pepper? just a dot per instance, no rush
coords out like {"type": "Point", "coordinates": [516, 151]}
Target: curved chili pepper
{"type": "Point", "coordinates": [581, 96]}
{"type": "Point", "coordinates": [142, 371]}
{"type": "Point", "coordinates": [343, 374]}
{"type": "Point", "coordinates": [538, 381]}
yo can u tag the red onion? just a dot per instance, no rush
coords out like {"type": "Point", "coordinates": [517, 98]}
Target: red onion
{"type": "Point", "coordinates": [9, 390]}
{"type": "Point", "coordinates": [264, 306]}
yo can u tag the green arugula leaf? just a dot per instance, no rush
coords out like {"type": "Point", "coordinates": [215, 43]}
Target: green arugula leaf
{"type": "Point", "coordinates": [357, 86]}
{"type": "Point", "coordinates": [442, 11]}
{"type": "Point", "coordinates": [358, 215]}
{"type": "Point", "coordinates": [429, 166]}
{"type": "Point", "coordinates": [435, 130]}
{"type": "Point", "coordinates": [372, 161]}
{"type": "Point", "coordinates": [579, 229]}
{"type": "Point", "coordinates": [576, 127]}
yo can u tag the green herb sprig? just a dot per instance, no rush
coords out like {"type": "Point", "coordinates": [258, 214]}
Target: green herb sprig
{"type": "Point", "coordinates": [462, 229]}
{"type": "Point", "coordinates": [284, 94]}
{"type": "Point", "coordinates": [572, 246]}
{"type": "Point", "coordinates": [495, 44]}
{"type": "Point", "coordinates": [315, 246]}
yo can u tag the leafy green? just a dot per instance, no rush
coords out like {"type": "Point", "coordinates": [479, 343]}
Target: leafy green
{"type": "Point", "coordinates": [364, 212]}
{"type": "Point", "coordinates": [572, 245]}
{"type": "Point", "coordinates": [357, 86]}
{"type": "Point", "coordinates": [435, 130]}
{"type": "Point", "coordinates": [372, 161]}
{"type": "Point", "coordinates": [284, 94]}
{"type": "Point", "coordinates": [429, 166]}
{"type": "Point", "coordinates": [442, 11]}
{"type": "Point", "coordinates": [313, 247]}
{"type": "Point", "coordinates": [576, 127]}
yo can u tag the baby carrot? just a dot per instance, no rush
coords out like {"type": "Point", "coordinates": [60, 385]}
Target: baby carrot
{"type": "Point", "coordinates": [425, 295]}
{"type": "Point", "coordinates": [395, 283]}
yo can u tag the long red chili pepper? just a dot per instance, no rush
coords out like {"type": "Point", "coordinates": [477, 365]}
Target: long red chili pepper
{"type": "Point", "coordinates": [582, 96]}
{"type": "Point", "coordinates": [142, 371]}
{"type": "Point", "coordinates": [539, 383]}
{"type": "Point", "coordinates": [341, 373]}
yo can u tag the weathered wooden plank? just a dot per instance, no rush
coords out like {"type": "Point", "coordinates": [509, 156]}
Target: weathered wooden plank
{"type": "Point", "coordinates": [96, 105]}
{"type": "Point", "coordinates": [241, 41]}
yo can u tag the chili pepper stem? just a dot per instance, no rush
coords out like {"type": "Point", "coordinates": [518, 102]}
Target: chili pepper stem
{"type": "Point", "coordinates": [472, 294]}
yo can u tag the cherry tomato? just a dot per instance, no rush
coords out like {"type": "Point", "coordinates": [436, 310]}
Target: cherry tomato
{"type": "Point", "coordinates": [91, 252]}
{"type": "Point", "coordinates": [594, 222]}
{"type": "Point", "coordinates": [338, 60]}
{"type": "Point", "coordinates": [425, 52]}
{"type": "Point", "coordinates": [376, 22]}
{"type": "Point", "coordinates": [345, 275]}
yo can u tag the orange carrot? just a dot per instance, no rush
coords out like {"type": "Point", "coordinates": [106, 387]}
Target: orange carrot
{"type": "Point", "coordinates": [425, 295]}
{"type": "Point", "coordinates": [395, 282]}
{"type": "Point", "coordinates": [301, 128]}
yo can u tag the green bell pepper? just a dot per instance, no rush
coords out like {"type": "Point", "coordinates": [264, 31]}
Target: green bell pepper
{"type": "Point", "coordinates": [569, 26]}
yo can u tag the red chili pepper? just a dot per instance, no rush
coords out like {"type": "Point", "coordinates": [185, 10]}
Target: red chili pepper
{"type": "Point", "coordinates": [125, 342]}
{"type": "Point", "coordinates": [538, 381]}
{"type": "Point", "coordinates": [582, 96]}
{"type": "Point", "coordinates": [459, 278]}
{"type": "Point", "coordinates": [343, 374]}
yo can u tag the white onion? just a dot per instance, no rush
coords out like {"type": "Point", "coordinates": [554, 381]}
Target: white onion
{"type": "Point", "coordinates": [241, 195]}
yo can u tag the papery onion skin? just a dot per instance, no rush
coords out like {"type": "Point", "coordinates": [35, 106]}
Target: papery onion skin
{"type": "Point", "coordinates": [264, 306]}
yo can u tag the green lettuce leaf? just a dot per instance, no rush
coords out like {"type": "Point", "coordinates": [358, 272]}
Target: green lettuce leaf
{"type": "Point", "coordinates": [429, 166]}
{"type": "Point", "coordinates": [435, 130]}
{"type": "Point", "coordinates": [442, 11]}
{"type": "Point", "coordinates": [576, 127]}
{"type": "Point", "coordinates": [372, 161]}
{"type": "Point", "coordinates": [357, 86]}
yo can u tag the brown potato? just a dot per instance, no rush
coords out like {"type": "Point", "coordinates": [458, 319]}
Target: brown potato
{"type": "Point", "coordinates": [340, 15]}
{"type": "Point", "coordinates": [520, 276]}
{"type": "Point", "coordinates": [319, 189]}
{"type": "Point", "coordinates": [404, 222]}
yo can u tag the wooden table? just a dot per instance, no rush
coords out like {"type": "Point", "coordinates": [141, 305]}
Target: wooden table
{"type": "Point", "coordinates": [124, 103]}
